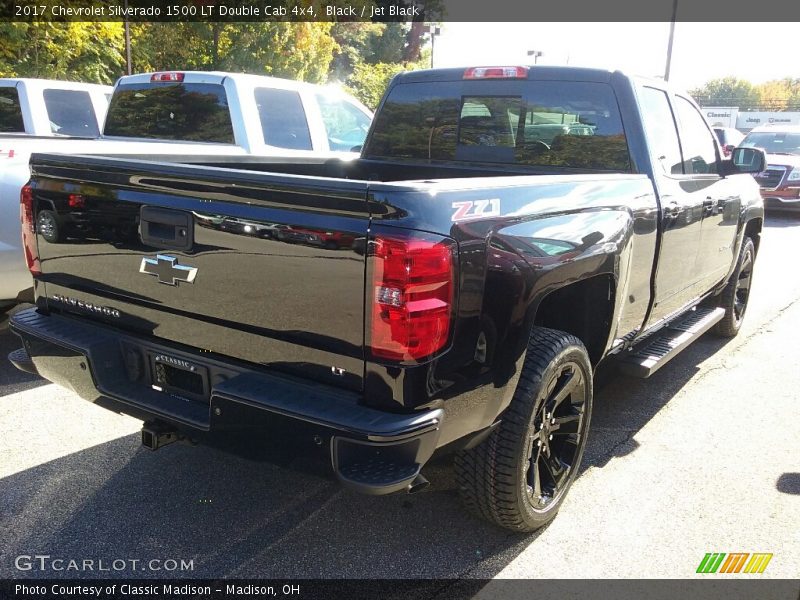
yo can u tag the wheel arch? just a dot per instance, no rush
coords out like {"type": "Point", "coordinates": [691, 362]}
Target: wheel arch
{"type": "Point", "coordinates": [752, 229]}
{"type": "Point", "coordinates": [584, 308]}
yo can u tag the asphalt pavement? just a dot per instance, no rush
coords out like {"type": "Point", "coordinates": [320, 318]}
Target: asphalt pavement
{"type": "Point", "coordinates": [702, 457]}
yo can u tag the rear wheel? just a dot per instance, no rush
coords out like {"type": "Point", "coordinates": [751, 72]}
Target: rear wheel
{"type": "Point", "coordinates": [519, 476]}
{"type": "Point", "coordinates": [736, 294]}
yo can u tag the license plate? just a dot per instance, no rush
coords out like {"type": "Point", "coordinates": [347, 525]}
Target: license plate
{"type": "Point", "coordinates": [179, 376]}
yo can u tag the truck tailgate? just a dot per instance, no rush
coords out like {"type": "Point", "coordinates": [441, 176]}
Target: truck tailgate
{"type": "Point", "coordinates": [261, 267]}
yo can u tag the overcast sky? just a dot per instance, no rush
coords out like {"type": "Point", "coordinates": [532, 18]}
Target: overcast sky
{"type": "Point", "coordinates": [702, 51]}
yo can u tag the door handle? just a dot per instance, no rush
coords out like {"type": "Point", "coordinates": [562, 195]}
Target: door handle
{"type": "Point", "coordinates": [708, 206]}
{"type": "Point", "coordinates": [672, 210]}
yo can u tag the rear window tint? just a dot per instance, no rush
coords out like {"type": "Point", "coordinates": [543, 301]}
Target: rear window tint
{"type": "Point", "coordinates": [544, 123]}
{"type": "Point", "coordinates": [190, 112]}
{"type": "Point", "coordinates": [283, 119]}
{"type": "Point", "coordinates": [71, 113]}
{"type": "Point", "coordinates": [10, 112]}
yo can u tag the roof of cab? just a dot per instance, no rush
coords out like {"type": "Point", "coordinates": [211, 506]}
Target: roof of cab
{"type": "Point", "coordinates": [248, 79]}
{"type": "Point", "coordinates": [53, 84]}
{"type": "Point", "coordinates": [220, 76]}
{"type": "Point", "coordinates": [535, 72]}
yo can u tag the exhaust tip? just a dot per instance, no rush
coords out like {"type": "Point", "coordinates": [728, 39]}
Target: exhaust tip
{"type": "Point", "coordinates": [419, 484]}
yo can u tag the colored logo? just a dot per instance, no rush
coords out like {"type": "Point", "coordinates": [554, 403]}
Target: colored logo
{"type": "Point", "coordinates": [737, 562]}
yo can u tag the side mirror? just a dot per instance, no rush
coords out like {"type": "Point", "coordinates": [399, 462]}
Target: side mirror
{"type": "Point", "coordinates": [748, 160]}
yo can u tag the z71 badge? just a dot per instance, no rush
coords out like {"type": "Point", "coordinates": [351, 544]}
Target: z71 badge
{"type": "Point", "coordinates": [476, 209]}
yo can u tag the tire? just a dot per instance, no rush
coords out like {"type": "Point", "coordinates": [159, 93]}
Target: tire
{"type": "Point", "coordinates": [48, 227]}
{"type": "Point", "coordinates": [498, 478]}
{"type": "Point", "coordinates": [736, 294]}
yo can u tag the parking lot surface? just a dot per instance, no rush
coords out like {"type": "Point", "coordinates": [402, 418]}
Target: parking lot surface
{"type": "Point", "coordinates": [702, 457]}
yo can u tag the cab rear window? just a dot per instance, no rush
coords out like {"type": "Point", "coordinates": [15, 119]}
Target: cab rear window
{"type": "Point", "coordinates": [190, 112]}
{"type": "Point", "coordinates": [534, 123]}
{"type": "Point", "coordinates": [10, 112]}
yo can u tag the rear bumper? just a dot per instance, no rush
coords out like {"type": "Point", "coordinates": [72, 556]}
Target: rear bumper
{"type": "Point", "coordinates": [373, 451]}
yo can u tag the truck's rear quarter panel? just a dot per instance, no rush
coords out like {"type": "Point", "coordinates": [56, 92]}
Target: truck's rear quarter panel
{"type": "Point", "coordinates": [544, 233]}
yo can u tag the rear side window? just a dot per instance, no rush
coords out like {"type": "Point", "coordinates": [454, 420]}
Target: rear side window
{"type": "Point", "coordinates": [71, 113]}
{"type": "Point", "coordinates": [283, 119]}
{"type": "Point", "coordinates": [190, 112]}
{"type": "Point", "coordinates": [659, 125]}
{"type": "Point", "coordinates": [10, 112]}
{"type": "Point", "coordinates": [540, 123]}
{"type": "Point", "coordinates": [697, 143]}
{"type": "Point", "coordinates": [345, 125]}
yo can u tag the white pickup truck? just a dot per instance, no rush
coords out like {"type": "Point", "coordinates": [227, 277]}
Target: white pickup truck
{"type": "Point", "coordinates": [170, 114]}
{"type": "Point", "coordinates": [46, 108]}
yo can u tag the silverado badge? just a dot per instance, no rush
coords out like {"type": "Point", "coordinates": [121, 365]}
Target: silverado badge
{"type": "Point", "coordinates": [167, 269]}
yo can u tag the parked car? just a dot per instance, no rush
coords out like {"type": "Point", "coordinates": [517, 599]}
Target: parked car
{"type": "Point", "coordinates": [490, 284]}
{"type": "Point", "coordinates": [728, 138]}
{"type": "Point", "coordinates": [49, 108]}
{"type": "Point", "coordinates": [165, 115]}
{"type": "Point", "coordinates": [780, 181]}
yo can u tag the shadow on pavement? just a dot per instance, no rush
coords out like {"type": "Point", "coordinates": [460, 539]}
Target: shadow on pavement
{"type": "Point", "coordinates": [239, 518]}
{"type": "Point", "coordinates": [789, 483]}
{"type": "Point", "coordinates": [12, 380]}
{"type": "Point", "coordinates": [624, 405]}
{"type": "Point", "coordinates": [234, 517]}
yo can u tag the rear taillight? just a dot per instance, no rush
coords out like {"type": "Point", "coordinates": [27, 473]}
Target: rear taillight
{"type": "Point", "coordinates": [496, 73]}
{"type": "Point", "coordinates": [411, 296]}
{"type": "Point", "coordinates": [76, 201]}
{"type": "Point", "coordinates": [26, 214]}
{"type": "Point", "coordinates": [171, 76]}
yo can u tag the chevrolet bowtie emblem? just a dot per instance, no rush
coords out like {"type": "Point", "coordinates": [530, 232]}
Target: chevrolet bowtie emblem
{"type": "Point", "coordinates": [167, 269]}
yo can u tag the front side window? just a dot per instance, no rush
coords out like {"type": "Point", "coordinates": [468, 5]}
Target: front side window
{"type": "Point", "coordinates": [345, 124]}
{"type": "Point", "coordinates": [10, 112]}
{"type": "Point", "coordinates": [71, 113]}
{"type": "Point", "coordinates": [189, 112]}
{"type": "Point", "coordinates": [697, 142]}
{"type": "Point", "coordinates": [573, 125]}
{"type": "Point", "coordinates": [283, 119]}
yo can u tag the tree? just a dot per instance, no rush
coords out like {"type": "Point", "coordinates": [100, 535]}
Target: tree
{"type": "Point", "coordinates": [77, 51]}
{"type": "Point", "coordinates": [727, 91]}
{"type": "Point", "coordinates": [774, 95]}
{"type": "Point", "coordinates": [300, 50]}
{"type": "Point", "coordinates": [356, 43]}
{"type": "Point", "coordinates": [368, 82]}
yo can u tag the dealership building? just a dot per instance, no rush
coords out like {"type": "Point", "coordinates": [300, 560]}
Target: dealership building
{"type": "Point", "coordinates": [729, 116]}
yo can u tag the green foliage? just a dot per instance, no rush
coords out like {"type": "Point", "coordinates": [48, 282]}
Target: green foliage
{"type": "Point", "coordinates": [783, 94]}
{"type": "Point", "coordinates": [726, 91]}
{"type": "Point", "coordinates": [362, 55]}
{"type": "Point", "coordinates": [292, 50]}
{"type": "Point", "coordinates": [368, 81]}
{"type": "Point", "coordinates": [77, 51]}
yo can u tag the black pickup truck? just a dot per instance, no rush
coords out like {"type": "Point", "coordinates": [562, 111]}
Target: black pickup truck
{"type": "Point", "coordinates": [505, 231]}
